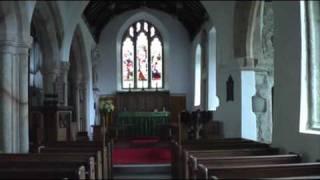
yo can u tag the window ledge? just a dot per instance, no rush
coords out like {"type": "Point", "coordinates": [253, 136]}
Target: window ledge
{"type": "Point", "coordinates": [310, 131]}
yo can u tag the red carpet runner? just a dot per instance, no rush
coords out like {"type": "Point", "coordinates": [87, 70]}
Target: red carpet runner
{"type": "Point", "coordinates": [142, 151]}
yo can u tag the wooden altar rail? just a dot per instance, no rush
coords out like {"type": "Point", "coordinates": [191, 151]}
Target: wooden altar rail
{"type": "Point", "coordinates": [132, 124]}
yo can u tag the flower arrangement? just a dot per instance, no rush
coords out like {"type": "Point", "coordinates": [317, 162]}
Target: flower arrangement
{"type": "Point", "coordinates": [106, 106]}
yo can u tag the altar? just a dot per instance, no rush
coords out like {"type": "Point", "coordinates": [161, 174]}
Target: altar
{"type": "Point", "coordinates": [136, 124]}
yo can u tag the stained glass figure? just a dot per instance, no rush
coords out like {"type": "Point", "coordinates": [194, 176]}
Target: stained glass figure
{"type": "Point", "coordinates": [142, 61]}
{"type": "Point", "coordinates": [127, 63]}
{"type": "Point", "coordinates": [156, 63]}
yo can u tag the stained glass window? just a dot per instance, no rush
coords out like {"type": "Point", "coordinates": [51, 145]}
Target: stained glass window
{"type": "Point", "coordinates": [156, 63]}
{"type": "Point", "coordinates": [142, 57]}
{"type": "Point", "coordinates": [127, 63]}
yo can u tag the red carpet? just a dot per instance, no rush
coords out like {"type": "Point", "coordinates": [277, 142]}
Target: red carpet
{"type": "Point", "coordinates": [149, 154]}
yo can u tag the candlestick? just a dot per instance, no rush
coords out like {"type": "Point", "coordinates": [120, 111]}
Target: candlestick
{"type": "Point", "coordinates": [156, 86]}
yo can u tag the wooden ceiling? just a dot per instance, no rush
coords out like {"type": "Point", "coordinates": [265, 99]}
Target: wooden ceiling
{"type": "Point", "coordinates": [190, 13]}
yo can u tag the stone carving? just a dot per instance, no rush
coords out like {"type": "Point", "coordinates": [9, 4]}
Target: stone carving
{"type": "Point", "coordinates": [267, 36]}
{"type": "Point", "coordinates": [95, 56]}
{"type": "Point", "coordinates": [262, 106]}
{"type": "Point", "coordinates": [262, 100]}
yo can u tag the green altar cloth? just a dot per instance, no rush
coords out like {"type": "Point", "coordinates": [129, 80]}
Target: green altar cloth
{"type": "Point", "coordinates": [142, 123]}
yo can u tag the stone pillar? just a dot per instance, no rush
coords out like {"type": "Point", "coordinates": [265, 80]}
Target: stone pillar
{"type": "Point", "coordinates": [63, 83]}
{"type": "Point", "coordinates": [76, 93]}
{"type": "Point", "coordinates": [83, 105]}
{"type": "Point", "coordinates": [50, 79]}
{"type": "Point", "coordinates": [95, 56]}
{"type": "Point", "coordinates": [14, 136]}
{"type": "Point", "coordinates": [248, 119]}
{"type": "Point", "coordinates": [262, 105]}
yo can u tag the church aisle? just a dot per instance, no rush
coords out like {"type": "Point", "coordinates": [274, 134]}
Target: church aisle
{"type": "Point", "coordinates": [142, 171]}
{"type": "Point", "coordinates": [141, 158]}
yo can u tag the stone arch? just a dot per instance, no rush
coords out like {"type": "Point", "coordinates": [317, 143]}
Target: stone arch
{"type": "Point", "coordinates": [136, 15]}
{"type": "Point", "coordinates": [47, 21]}
{"type": "Point", "coordinates": [15, 22]}
{"type": "Point", "coordinates": [241, 26]}
{"type": "Point", "coordinates": [79, 71]}
{"type": "Point", "coordinates": [253, 54]}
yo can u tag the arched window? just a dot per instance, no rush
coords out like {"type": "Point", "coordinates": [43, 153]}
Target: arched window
{"type": "Point", "coordinates": [197, 79]}
{"type": "Point", "coordinates": [142, 57]}
{"type": "Point", "coordinates": [310, 67]}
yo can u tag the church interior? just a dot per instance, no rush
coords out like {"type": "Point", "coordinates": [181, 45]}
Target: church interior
{"type": "Point", "coordinates": [159, 89]}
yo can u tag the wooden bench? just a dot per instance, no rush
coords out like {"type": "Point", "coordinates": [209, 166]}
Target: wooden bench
{"type": "Point", "coordinates": [260, 171]}
{"type": "Point", "coordinates": [51, 160]}
{"type": "Point", "coordinates": [42, 173]}
{"type": "Point", "coordinates": [106, 152]}
{"type": "Point", "coordinates": [240, 160]}
{"type": "Point", "coordinates": [180, 153]}
{"type": "Point", "coordinates": [224, 152]}
{"type": "Point", "coordinates": [67, 151]}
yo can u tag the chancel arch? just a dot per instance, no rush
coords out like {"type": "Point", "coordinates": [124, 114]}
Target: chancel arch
{"type": "Point", "coordinates": [254, 52]}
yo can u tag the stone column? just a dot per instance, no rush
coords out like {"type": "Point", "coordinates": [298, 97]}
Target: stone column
{"type": "Point", "coordinates": [63, 82]}
{"type": "Point", "coordinates": [248, 119]}
{"type": "Point", "coordinates": [76, 93]}
{"type": "Point", "coordinates": [49, 79]}
{"type": "Point", "coordinates": [14, 136]}
{"type": "Point", "coordinates": [262, 105]}
{"type": "Point", "coordinates": [83, 105]}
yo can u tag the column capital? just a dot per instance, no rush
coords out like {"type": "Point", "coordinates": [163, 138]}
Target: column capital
{"type": "Point", "coordinates": [64, 66]}
{"type": "Point", "coordinates": [50, 72]}
{"type": "Point", "coordinates": [247, 63]}
{"type": "Point", "coordinates": [15, 43]}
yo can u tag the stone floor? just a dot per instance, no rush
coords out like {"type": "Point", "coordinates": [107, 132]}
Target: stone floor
{"type": "Point", "coordinates": [142, 171]}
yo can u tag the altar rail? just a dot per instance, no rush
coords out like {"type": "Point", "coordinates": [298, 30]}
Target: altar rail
{"type": "Point", "coordinates": [133, 124]}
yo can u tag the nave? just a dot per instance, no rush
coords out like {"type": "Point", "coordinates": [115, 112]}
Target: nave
{"type": "Point", "coordinates": [158, 157]}
{"type": "Point", "coordinates": [159, 89]}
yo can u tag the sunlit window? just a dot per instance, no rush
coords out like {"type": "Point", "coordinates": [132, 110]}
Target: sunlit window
{"type": "Point", "coordinates": [142, 57]}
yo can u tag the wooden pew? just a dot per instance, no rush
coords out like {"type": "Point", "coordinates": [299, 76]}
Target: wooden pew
{"type": "Point", "coordinates": [181, 153]}
{"type": "Point", "coordinates": [106, 152]}
{"type": "Point", "coordinates": [177, 149]}
{"type": "Point", "coordinates": [293, 170]}
{"type": "Point", "coordinates": [42, 173]}
{"type": "Point", "coordinates": [224, 152]}
{"type": "Point", "coordinates": [240, 160]}
{"type": "Point", "coordinates": [77, 150]}
{"type": "Point", "coordinates": [51, 160]}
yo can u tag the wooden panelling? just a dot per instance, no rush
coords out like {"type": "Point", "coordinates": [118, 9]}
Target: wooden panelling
{"type": "Point", "coordinates": [146, 101]}
{"type": "Point", "coordinates": [177, 104]}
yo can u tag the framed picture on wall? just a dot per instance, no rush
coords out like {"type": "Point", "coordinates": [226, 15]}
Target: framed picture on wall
{"type": "Point", "coordinates": [64, 118]}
